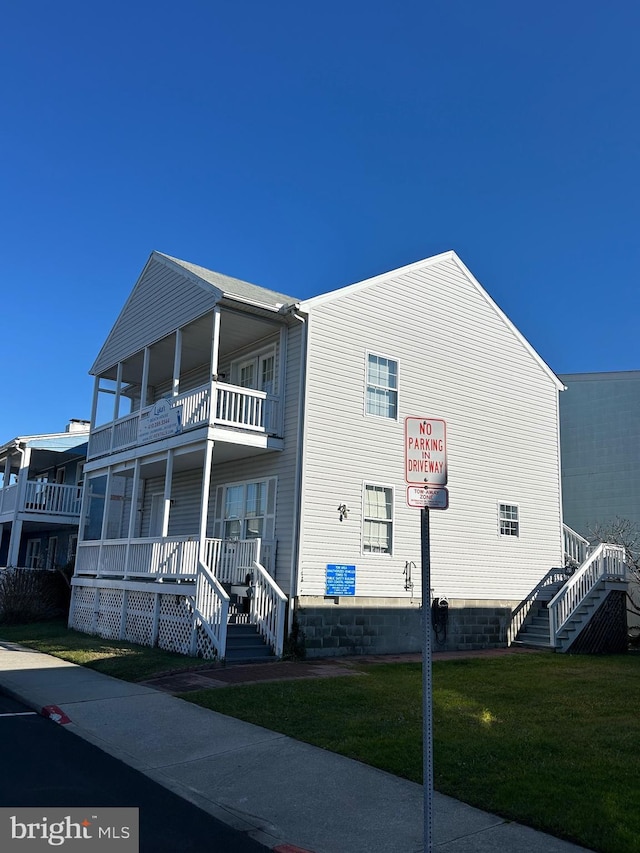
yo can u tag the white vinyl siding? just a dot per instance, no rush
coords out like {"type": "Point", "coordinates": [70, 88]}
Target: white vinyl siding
{"type": "Point", "coordinates": [162, 301]}
{"type": "Point", "coordinates": [460, 361]}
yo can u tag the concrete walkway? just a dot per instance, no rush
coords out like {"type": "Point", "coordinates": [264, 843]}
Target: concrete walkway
{"type": "Point", "coordinates": [288, 795]}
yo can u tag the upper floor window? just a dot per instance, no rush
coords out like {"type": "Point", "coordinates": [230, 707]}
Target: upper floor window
{"type": "Point", "coordinates": [382, 386]}
{"type": "Point", "coordinates": [508, 520]}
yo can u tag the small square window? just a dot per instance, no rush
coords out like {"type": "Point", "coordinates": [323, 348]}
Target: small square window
{"type": "Point", "coordinates": [509, 520]}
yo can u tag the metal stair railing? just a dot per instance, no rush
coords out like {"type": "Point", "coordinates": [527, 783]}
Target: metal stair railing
{"type": "Point", "coordinates": [607, 561]}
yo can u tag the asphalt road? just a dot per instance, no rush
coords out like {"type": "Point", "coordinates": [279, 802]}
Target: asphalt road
{"type": "Point", "coordinates": [45, 765]}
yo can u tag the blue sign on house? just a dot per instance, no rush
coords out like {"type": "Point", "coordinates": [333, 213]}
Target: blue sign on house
{"type": "Point", "coordinates": [341, 579]}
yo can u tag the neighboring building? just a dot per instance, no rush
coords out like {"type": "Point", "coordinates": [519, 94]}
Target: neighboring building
{"type": "Point", "coordinates": [246, 460]}
{"type": "Point", "coordinates": [40, 497]}
{"type": "Point", "coordinates": [600, 440]}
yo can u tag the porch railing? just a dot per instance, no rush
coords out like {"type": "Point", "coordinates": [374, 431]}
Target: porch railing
{"type": "Point", "coordinates": [575, 547]}
{"type": "Point", "coordinates": [173, 558]}
{"type": "Point", "coordinates": [607, 561]}
{"type": "Point", "coordinates": [8, 498]}
{"type": "Point", "coordinates": [241, 408]}
{"type": "Point", "coordinates": [52, 498]}
{"type": "Point", "coordinates": [155, 558]}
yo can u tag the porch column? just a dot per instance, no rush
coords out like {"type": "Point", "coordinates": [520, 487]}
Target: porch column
{"type": "Point", "coordinates": [145, 379]}
{"type": "Point", "coordinates": [215, 342]}
{"type": "Point", "coordinates": [177, 358]}
{"type": "Point", "coordinates": [133, 514]}
{"type": "Point", "coordinates": [204, 501]}
{"type": "Point", "coordinates": [116, 400]}
{"type": "Point", "coordinates": [7, 471]}
{"type": "Point", "coordinates": [16, 527]}
{"type": "Point", "coordinates": [166, 506]}
{"type": "Point", "coordinates": [94, 404]}
{"type": "Point", "coordinates": [213, 378]}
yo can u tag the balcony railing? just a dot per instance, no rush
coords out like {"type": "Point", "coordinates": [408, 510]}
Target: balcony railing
{"type": "Point", "coordinates": [240, 408]}
{"type": "Point", "coordinates": [44, 499]}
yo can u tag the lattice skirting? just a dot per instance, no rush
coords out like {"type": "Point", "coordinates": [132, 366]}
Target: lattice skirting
{"type": "Point", "coordinates": [147, 617]}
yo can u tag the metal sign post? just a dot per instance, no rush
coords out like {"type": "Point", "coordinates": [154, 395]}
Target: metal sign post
{"type": "Point", "coordinates": [427, 690]}
{"type": "Point", "coordinates": [425, 466]}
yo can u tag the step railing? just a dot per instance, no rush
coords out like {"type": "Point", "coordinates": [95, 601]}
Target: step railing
{"type": "Point", "coordinates": [575, 547]}
{"type": "Point", "coordinates": [519, 615]}
{"type": "Point", "coordinates": [211, 611]}
{"type": "Point", "coordinates": [267, 608]}
{"type": "Point", "coordinates": [606, 562]}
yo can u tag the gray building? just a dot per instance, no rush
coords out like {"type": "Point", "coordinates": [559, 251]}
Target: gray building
{"type": "Point", "coordinates": [600, 448]}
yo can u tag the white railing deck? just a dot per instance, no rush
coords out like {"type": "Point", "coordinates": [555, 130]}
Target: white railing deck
{"type": "Point", "coordinates": [606, 562]}
{"type": "Point", "coordinates": [43, 498]}
{"type": "Point", "coordinates": [236, 407]}
{"type": "Point", "coordinates": [177, 558]}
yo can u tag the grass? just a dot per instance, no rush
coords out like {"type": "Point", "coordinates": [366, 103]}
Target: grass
{"type": "Point", "coordinates": [552, 741]}
{"type": "Point", "coordinates": [112, 657]}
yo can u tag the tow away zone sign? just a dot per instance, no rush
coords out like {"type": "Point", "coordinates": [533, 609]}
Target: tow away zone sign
{"type": "Point", "coordinates": [433, 498]}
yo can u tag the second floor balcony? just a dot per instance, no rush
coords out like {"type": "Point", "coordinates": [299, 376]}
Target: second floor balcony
{"type": "Point", "coordinates": [233, 408]}
{"type": "Point", "coordinates": [62, 502]}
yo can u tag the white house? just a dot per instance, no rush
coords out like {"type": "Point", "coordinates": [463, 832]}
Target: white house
{"type": "Point", "coordinates": [40, 497]}
{"type": "Point", "coordinates": [245, 469]}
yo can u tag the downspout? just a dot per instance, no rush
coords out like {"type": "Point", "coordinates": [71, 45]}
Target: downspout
{"type": "Point", "coordinates": [297, 494]}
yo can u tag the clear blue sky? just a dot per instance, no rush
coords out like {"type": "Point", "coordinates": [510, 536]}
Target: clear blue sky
{"type": "Point", "coordinates": [304, 146]}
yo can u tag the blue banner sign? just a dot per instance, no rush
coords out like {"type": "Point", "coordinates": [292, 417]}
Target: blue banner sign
{"type": "Point", "coordinates": [341, 579]}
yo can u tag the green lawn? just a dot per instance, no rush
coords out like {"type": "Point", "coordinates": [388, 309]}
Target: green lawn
{"type": "Point", "coordinates": [113, 657]}
{"type": "Point", "coordinates": [552, 741]}
{"type": "Point", "coordinates": [548, 740]}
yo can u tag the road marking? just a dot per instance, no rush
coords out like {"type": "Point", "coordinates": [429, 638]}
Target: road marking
{"type": "Point", "coordinates": [20, 714]}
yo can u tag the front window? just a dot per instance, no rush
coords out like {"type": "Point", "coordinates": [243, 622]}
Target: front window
{"type": "Point", "coordinates": [509, 520]}
{"type": "Point", "coordinates": [377, 532]}
{"type": "Point", "coordinates": [97, 489]}
{"type": "Point", "coordinates": [382, 386]}
{"type": "Point", "coordinates": [245, 507]}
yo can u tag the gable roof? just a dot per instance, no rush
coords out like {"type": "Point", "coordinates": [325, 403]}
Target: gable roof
{"type": "Point", "coordinates": [309, 304]}
{"type": "Point", "coordinates": [170, 293]}
{"type": "Point", "coordinates": [234, 288]}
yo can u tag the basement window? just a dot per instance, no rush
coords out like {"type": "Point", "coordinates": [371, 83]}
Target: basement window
{"type": "Point", "coordinates": [509, 520]}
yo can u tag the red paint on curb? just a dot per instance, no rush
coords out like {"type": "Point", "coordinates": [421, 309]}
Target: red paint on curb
{"type": "Point", "coordinates": [56, 714]}
{"type": "Point", "coordinates": [289, 848]}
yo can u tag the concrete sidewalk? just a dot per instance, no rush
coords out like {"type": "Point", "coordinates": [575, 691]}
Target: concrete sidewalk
{"type": "Point", "coordinates": [286, 794]}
